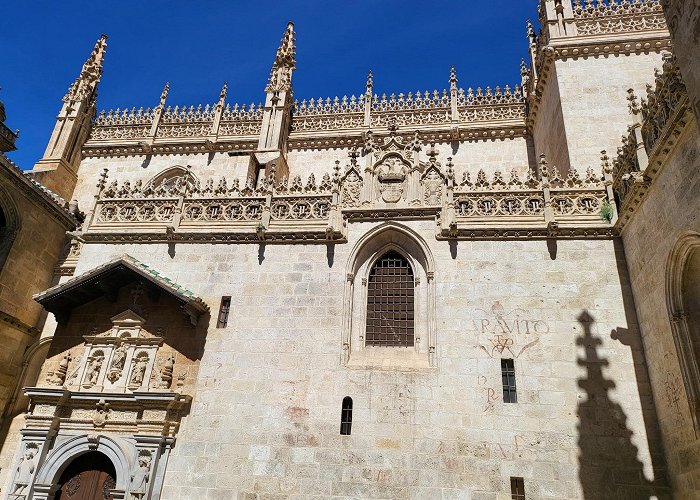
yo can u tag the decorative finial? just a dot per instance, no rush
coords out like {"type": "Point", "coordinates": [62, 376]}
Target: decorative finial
{"type": "Point", "coordinates": [102, 180]}
{"type": "Point", "coordinates": [544, 168]}
{"type": "Point", "coordinates": [224, 92]}
{"type": "Point", "coordinates": [523, 68]}
{"type": "Point", "coordinates": [164, 94]}
{"type": "Point", "coordinates": [433, 154]}
{"type": "Point", "coordinates": [393, 126]}
{"type": "Point", "coordinates": [605, 162]}
{"type": "Point", "coordinates": [450, 171]}
{"type": "Point", "coordinates": [353, 154]}
{"type": "Point", "coordinates": [633, 103]}
{"type": "Point", "coordinates": [453, 78]}
{"type": "Point", "coordinates": [85, 85]}
{"type": "Point", "coordinates": [531, 32]}
{"type": "Point", "coordinates": [285, 61]}
{"type": "Point", "coordinates": [370, 83]}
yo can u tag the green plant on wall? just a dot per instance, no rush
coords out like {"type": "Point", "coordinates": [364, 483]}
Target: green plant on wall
{"type": "Point", "coordinates": [606, 211]}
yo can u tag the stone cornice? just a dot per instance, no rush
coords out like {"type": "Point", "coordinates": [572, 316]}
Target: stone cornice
{"type": "Point", "coordinates": [38, 193]}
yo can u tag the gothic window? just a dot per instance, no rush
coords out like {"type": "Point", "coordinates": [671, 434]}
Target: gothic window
{"type": "Point", "coordinates": [389, 301]}
{"type": "Point", "coordinates": [390, 305]}
{"type": "Point", "coordinates": [346, 416]}
{"type": "Point", "coordinates": [510, 394]}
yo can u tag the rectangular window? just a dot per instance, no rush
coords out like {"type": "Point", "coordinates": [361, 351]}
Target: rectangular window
{"type": "Point", "coordinates": [508, 376]}
{"type": "Point", "coordinates": [517, 488]}
{"type": "Point", "coordinates": [223, 312]}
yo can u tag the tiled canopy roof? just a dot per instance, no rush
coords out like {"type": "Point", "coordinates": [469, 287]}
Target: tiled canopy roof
{"type": "Point", "coordinates": [62, 298]}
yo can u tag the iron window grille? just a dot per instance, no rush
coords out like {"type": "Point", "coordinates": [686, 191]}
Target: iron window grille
{"type": "Point", "coordinates": [390, 302]}
{"type": "Point", "coordinates": [223, 312]}
{"type": "Point", "coordinates": [346, 416]}
{"type": "Point", "coordinates": [508, 376]}
{"type": "Point", "coordinates": [517, 488]}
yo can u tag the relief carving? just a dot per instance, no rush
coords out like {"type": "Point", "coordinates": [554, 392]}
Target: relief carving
{"type": "Point", "coordinates": [391, 174]}
{"type": "Point", "coordinates": [140, 362]}
{"type": "Point", "coordinates": [117, 365]}
{"type": "Point", "coordinates": [93, 369]}
{"type": "Point", "coordinates": [140, 476]}
{"type": "Point", "coordinates": [25, 472]}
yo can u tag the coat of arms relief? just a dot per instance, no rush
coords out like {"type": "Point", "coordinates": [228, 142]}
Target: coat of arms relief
{"type": "Point", "coordinates": [391, 178]}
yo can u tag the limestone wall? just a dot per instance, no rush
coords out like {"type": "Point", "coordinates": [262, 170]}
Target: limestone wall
{"type": "Point", "coordinates": [593, 94]}
{"type": "Point", "coordinates": [27, 270]}
{"type": "Point", "coordinates": [669, 210]}
{"type": "Point", "coordinates": [266, 415]}
{"type": "Point", "coordinates": [549, 132]}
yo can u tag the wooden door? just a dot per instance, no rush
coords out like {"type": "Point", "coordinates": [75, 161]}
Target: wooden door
{"type": "Point", "coordinates": [88, 477]}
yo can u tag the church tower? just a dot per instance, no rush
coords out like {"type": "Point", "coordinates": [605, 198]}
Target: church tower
{"type": "Point", "coordinates": [58, 169]}
{"type": "Point", "coordinates": [585, 59]}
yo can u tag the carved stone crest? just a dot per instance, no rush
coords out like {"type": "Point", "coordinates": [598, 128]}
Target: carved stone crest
{"type": "Point", "coordinates": [391, 174]}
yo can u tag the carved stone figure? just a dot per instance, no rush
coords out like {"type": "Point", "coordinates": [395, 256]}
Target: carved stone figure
{"type": "Point", "coordinates": [139, 478]}
{"type": "Point", "coordinates": [138, 371]}
{"type": "Point", "coordinates": [433, 184]}
{"type": "Point", "coordinates": [59, 376]}
{"type": "Point", "coordinates": [93, 369]}
{"type": "Point", "coordinates": [166, 372]}
{"type": "Point", "coordinates": [352, 187]}
{"type": "Point", "coordinates": [117, 365]}
{"type": "Point", "coordinates": [25, 472]}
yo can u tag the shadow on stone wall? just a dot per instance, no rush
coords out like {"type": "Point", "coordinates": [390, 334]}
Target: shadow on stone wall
{"type": "Point", "coordinates": [609, 467]}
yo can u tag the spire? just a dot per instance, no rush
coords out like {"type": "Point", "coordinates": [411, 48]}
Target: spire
{"type": "Point", "coordinates": [370, 83]}
{"type": "Point", "coordinates": [223, 93]}
{"type": "Point", "coordinates": [453, 77]}
{"type": "Point", "coordinates": [285, 62]}
{"type": "Point", "coordinates": [85, 85]}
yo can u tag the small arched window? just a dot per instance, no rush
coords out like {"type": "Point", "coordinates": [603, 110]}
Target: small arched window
{"type": "Point", "coordinates": [346, 416]}
{"type": "Point", "coordinates": [390, 302]}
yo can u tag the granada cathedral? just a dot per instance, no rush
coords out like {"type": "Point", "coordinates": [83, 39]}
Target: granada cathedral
{"type": "Point", "coordinates": [469, 293]}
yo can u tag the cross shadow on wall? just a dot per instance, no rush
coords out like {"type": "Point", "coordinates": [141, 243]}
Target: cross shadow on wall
{"type": "Point", "coordinates": [609, 466]}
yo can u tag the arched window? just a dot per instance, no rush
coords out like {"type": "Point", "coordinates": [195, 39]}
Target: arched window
{"type": "Point", "coordinates": [390, 308]}
{"type": "Point", "coordinates": [346, 416]}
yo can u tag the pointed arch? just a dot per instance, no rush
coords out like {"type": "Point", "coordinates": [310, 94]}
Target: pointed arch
{"type": "Point", "coordinates": [370, 248]}
{"type": "Point", "coordinates": [172, 176]}
{"type": "Point", "coordinates": [683, 304]}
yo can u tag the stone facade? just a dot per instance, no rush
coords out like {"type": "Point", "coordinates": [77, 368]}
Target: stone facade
{"type": "Point", "coordinates": [265, 226]}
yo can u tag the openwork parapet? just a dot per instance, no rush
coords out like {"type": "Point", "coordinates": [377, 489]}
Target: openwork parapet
{"type": "Point", "coordinates": [617, 16]}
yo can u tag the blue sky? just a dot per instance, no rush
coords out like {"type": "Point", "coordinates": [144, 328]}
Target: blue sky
{"type": "Point", "coordinates": [197, 45]}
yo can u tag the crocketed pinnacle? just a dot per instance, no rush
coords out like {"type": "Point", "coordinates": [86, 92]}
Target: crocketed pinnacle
{"type": "Point", "coordinates": [164, 94]}
{"type": "Point", "coordinates": [370, 83]}
{"type": "Point", "coordinates": [86, 84]}
{"type": "Point", "coordinates": [453, 77]}
{"type": "Point", "coordinates": [285, 62]}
